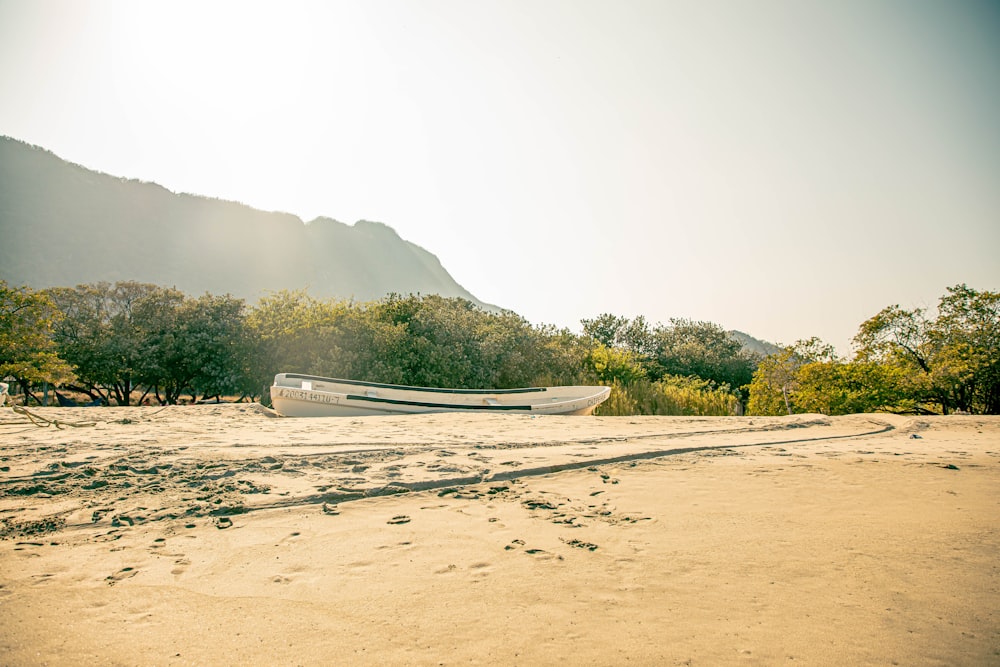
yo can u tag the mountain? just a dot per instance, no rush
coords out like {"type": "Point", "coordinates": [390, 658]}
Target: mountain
{"type": "Point", "coordinates": [62, 225]}
{"type": "Point", "coordinates": [754, 345]}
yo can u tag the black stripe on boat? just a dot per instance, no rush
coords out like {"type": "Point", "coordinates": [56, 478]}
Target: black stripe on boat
{"type": "Point", "coordinates": [359, 383]}
{"type": "Point", "coordinates": [449, 406]}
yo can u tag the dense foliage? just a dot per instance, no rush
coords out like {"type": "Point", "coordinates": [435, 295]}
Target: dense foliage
{"type": "Point", "coordinates": [27, 351]}
{"type": "Point", "coordinates": [682, 348]}
{"type": "Point", "coordinates": [951, 362]}
{"type": "Point", "coordinates": [416, 340]}
{"type": "Point", "coordinates": [906, 361]}
{"type": "Point", "coordinates": [126, 342]}
{"type": "Point", "coordinates": [670, 395]}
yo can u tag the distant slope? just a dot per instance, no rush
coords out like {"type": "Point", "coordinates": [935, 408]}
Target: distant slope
{"type": "Point", "coordinates": [62, 224]}
{"type": "Point", "coordinates": [755, 345]}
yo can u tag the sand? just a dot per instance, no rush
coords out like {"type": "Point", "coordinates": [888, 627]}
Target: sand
{"type": "Point", "coordinates": [221, 534]}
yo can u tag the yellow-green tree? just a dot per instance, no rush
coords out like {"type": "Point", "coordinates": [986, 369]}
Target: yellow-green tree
{"type": "Point", "coordinates": [775, 382]}
{"type": "Point", "coordinates": [840, 388]}
{"type": "Point", "coordinates": [950, 362]}
{"type": "Point", "coordinates": [615, 365]}
{"type": "Point", "coordinates": [27, 351]}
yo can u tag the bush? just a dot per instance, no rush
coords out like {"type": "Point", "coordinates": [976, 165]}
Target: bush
{"type": "Point", "coordinates": [672, 395]}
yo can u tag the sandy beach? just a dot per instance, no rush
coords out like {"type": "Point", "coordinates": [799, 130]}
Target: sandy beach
{"type": "Point", "coordinates": [222, 534]}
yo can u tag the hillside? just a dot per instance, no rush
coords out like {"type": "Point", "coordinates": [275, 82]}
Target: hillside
{"type": "Point", "coordinates": [754, 345]}
{"type": "Point", "coordinates": [62, 224]}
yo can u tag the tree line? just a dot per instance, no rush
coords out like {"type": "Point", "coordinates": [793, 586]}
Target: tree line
{"type": "Point", "coordinates": [905, 361]}
{"type": "Point", "coordinates": [131, 342]}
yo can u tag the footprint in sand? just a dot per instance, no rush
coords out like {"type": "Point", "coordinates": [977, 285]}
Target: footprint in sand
{"type": "Point", "coordinates": [580, 544]}
{"type": "Point", "coordinates": [514, 544]}
{"type": "Point", "coordinates": [182, 564]}
{"type": "Point", "coordinates": [109, 536]}
{"type": "Point", "coordinates": [98, 514]}
{"type": "Point", "coordinates": [289, 538]}
{"type": "Point", "coordinates": [567, 520]}
{"type": "Point", "coordinates": [121, 575]}
{"type": "Point", "coordinates": [398, 519]}
{"type": "Point", "coordinates": [223, 522]}
{"type": "Point", "coordinates": [480, 569]}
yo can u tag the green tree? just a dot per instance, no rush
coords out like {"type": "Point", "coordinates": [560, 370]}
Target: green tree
{"type": "Point", "coordinates": [558, 357]}
{"type": "Point", "coordinates": [776, 380]}
{"type": "Point", "coordinates": [295, 333]}
{"type": "Point", "coordinates": [951, 360]}
{"type": "Point", "coordinates": [704, 350]}
{"type": "Point", "coordinates": [104, 333]}
{"type": "Point", "coordinates": [966, 339]}
{"type": "Point", "coordinates": [772, 384]}
{"type": "Point", "coordinates": [201, 346]}
{"type": "Point", "coordinates": [513, 353]}
{"type": "Point", "coordinates": [614, 331]}
{"type": "Point", "coordinates": [451, 342]}
{"type": "Point", "coordinates": [615, 366]}
{"type": "Point", "coordinates": [680, 348]}
{"type": "Point", "coordinates": [27, 350]}
{"type": "Point", "coordinates": [840, 388]}
{"type": "Point", "coordinates": [606, 329]}
{"type": "Point", "coordinates": [432, 343]}
{"type": "Point", "coordinates": [422, 340]}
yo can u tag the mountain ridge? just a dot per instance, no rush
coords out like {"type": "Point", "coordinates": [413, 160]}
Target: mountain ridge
{"type": "Point", "coordinates": [128, 229]}
{"type": "Point", "coordinates": [63, 224]}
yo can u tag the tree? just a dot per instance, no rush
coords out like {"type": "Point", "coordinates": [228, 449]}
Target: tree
{"type": "Point", "coordinates": [27, 351]}
{"type": "Point", "coordinates": [295, 333]}
{"type": "Point", "coordinates": [704, 350]}
{"type": "Point", "coordinates": [614, 331]}
{"type": "Point", "coordinates": [558, 357]}
{"type": "Point", "coordinates": [203, 347]}
{"type": "Point", "coordinates": [615, 365]}
{"type": "Point", "coordinates": [966, 339]}
{"type": "Point", "coordinates": [772, 384]}
{"type": "Point", "coordinates": [513, 353]}
{"type": "Point", "coordinates": [953, 360]}
{"type": "Point", "coordinates": [451, 342]}
{"type": "Point", "coordinates": [605, 329]}
{"type": "Point", "coordinates": [840, 388]}
{"type": "Point", "coordinates": [105, 330]}
{"type": "Point", "coordinates": [776, 381]}
{"type": "Point", "coordinates": [423, 340]}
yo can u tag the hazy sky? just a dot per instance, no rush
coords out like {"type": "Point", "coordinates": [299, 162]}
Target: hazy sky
{"type": "Point", "coordinates": [787, 168]}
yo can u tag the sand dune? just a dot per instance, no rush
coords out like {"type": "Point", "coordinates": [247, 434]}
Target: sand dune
{"type": "Point", "coordinates": [222, 535]}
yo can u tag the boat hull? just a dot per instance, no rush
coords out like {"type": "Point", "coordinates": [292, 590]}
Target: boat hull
{"type": "Point", "coordinates": [294, 395]}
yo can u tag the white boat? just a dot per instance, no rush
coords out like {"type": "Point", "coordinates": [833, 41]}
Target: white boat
{"type": "Point", "coordinates": [294, 395]}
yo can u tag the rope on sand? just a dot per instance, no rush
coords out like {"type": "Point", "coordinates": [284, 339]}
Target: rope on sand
{"type": "Point", "coordinates": [42, 422]}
